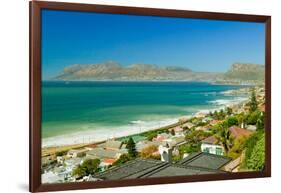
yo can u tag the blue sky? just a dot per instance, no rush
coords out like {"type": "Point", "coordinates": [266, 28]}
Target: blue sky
{"type": "Point", "coordinates": [201, 45]}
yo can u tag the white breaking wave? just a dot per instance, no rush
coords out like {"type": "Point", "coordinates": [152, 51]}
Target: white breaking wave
{"type": "Point", "coordinates": [104, 133]}
{"type": "Point", "coordinates": [228, 101]}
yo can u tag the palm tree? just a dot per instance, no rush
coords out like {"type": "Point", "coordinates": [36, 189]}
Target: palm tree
{"type": "Point", "coordinates": [225, 138]}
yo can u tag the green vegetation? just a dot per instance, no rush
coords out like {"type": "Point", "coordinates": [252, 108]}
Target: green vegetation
{"type": "Point", "coordinates": [61, 153]}
{"type": "Point", "coordinates": [257, 157]}
{"type": "Point", "coordinates": [88, 167]}
{"type": "Point", "coordinates": [253, 101]}
{"type": "Point", "coordinates": [255, 152]}
{"type": "Point", "coordinates": [237, 148]}
{"type": "Point", "coordinates": [122, 159]}
{"type": "Point", "coordinates": [229, 111]}
{"type": "Point", "coordinates": [148, 151]}
{"type": "Point", "coordinates": [131, 146]}
{"type": "Point", "coordinates": [195, 136]}
{"type": "Point", "coordinates": [230, 121]}
{"type": "Point", "coordinates": [189, 148]}
{"type": "Point", "coordinates": [253, 117]}
{"type": "Point", "coordinates": [260, 122]}
{"type": "Point", "coordinates": [218, 115]}
{"type": "Point", "coordinates": [225, 138]}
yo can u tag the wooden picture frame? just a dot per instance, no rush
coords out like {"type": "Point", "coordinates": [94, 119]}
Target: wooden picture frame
{"type": "Point", "coordinates": [35, 93]}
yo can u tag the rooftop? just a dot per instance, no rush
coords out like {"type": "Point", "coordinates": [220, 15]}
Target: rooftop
{"type": "Point", "coordinates": [239, 132]}
{"type": "Point", "coordinates": [199, 163]}
{"type": "Point", "coordinates": [205, 160]}
{"type": "Point", "coordinates": [210, 140]}
{"type": "Point", "coordinates": [106, 153]}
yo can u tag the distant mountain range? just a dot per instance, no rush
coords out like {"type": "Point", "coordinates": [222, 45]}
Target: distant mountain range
{"type": "Point", "coordinates": [237, 74]}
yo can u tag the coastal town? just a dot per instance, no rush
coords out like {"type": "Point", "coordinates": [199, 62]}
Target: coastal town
{"type": "Point", "coordinates": [229, 139]}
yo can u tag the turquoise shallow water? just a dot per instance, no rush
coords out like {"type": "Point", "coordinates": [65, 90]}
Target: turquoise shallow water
{"type": "Point", "coordinates": [69, 107]}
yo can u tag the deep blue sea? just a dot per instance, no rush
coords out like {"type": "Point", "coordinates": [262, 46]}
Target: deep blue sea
{"type": "Point", "coordinates": [87, 111]}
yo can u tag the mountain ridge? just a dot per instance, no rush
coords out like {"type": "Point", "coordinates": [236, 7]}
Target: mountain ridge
{"type": "Point", "coordinates": [238, 73]}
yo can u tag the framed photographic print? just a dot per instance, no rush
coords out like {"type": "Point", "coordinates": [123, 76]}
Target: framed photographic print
{"type": "Point", "coordinates": [123, 96]}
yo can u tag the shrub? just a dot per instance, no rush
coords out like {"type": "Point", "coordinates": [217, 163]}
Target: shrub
{"type": "Point", "coordinates": [148, 151]}
{"type": "Point", "coordinates": [89, 166]}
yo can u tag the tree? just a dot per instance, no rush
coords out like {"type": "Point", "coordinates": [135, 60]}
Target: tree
{"type": "Point", "coordinates": [189, 148]}
{"type": "Point", "coordinates": [122, 159]}
{"type": "Point", "coordinates": [260, 122]}
{"type": "Point", "coordinates": [79, 171]}
{"type": "Point", "coordinates": [148, 151]}
{"type": "Point", "coordinates": [241, 119]}
{"type": "Point", "coordinates": [61, 153]}
{"type": "Point", "coordinates": [253, 101]}
{"type": "Point", "coordinates": [131, 146]}
{"type": "Point", "coordinates": [224, 136]}
{"type": "Point", "coordinates": [221, 114]}
{"type": "Point", "coordinates": [232, 121]}
{"type": "Point", "coordinates": [229, 111]}
{"type": "Point", "coordinates": [195, 136]}
{"type": "Point", "coordinates": [150, 135]}
{"type": "Point", "coordinates": [237, 148]}
{"type": "Point", "coordinates": [173, 132]}
{"type": "Point", "coordinates": [88, 167]}
{"type": "Point", "coordinates": [253, 117]}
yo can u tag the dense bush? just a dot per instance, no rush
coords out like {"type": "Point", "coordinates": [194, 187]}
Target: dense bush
{"type": "Point", "coordinates": [89, 166]}
{"type": "Point", "coordinates": [256, 159]}
{"type": "Point", "coordinates": [254, 144]}
{"type": "Point", "coordinates": [122, 159]}
{"type": "Point", "coordinates": [148, 151]}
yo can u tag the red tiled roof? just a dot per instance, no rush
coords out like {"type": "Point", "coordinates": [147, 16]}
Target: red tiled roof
{"type": "Point", "coordinates": [109, 161]}
{"type": "Point", "coordinates": [211, 140]}
{"type": "Point", "coordinates": [239, 132]}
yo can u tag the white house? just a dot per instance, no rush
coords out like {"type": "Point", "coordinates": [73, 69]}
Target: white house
{"type": "Point", "coordinates": [76, 153]}
{"type": "Point", "coordinates": [210, 145]}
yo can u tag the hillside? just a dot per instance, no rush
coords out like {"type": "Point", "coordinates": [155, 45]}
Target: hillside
{"type": "Point", "coordinates": [114, 71]}
{"type": "Point", "coordinates": [244, 74]}
{"type": "Point", "coordinates": [237, 74]}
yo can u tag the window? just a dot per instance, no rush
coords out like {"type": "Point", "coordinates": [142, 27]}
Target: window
{"type": "Point", "coordinates": [219, 151]}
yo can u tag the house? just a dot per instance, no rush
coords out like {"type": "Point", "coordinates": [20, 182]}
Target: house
{"type": "Point", "coordinates": [71, 163]}
{"type": "Point", "coordinates": [161, 137]}
{"type": "Point", "coordinates": [60, 159]}
{"type": "Point", "coordinates": [176, 141]}
{"type": "Point", "coordinates": [105, 163]}
{"type": "Point", "coordinates": [201, 114]}
{"type": "Point", "coordinates": [251, 127]}
{"type": "Point", "coordinates": [233, 166]}
{"type": "Point", "coordinates": [188, 125]}
{"type": "Point", "coordinates": [143, 144]}
{"type": "Point", "coordinates": [207, 119]}
{"type": "Point", "coordinates": [205, 128]}
{"type": "Point", "coordinates": [178, 130]}
{"type": "Point", "coordinates": [210, 145]}
{"type": "Point", "coordinates": [76, 153]}
{"type": "Point", "coordinates": [51, 177]}
{"type": "Point", "coordinates": [103, 153]}
{"type": "Point", "coordinates": [215, 122]}
{"type": "Point", "coordinates": [238, 132]}
{"type": "Point", "coordinates": [194, 164]}
{"type": "Point", "coordinates": [113, 145]}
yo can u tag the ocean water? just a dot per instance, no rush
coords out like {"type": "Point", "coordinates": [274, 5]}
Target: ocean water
{"type": "Point", "coordinates": [88, 111]}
